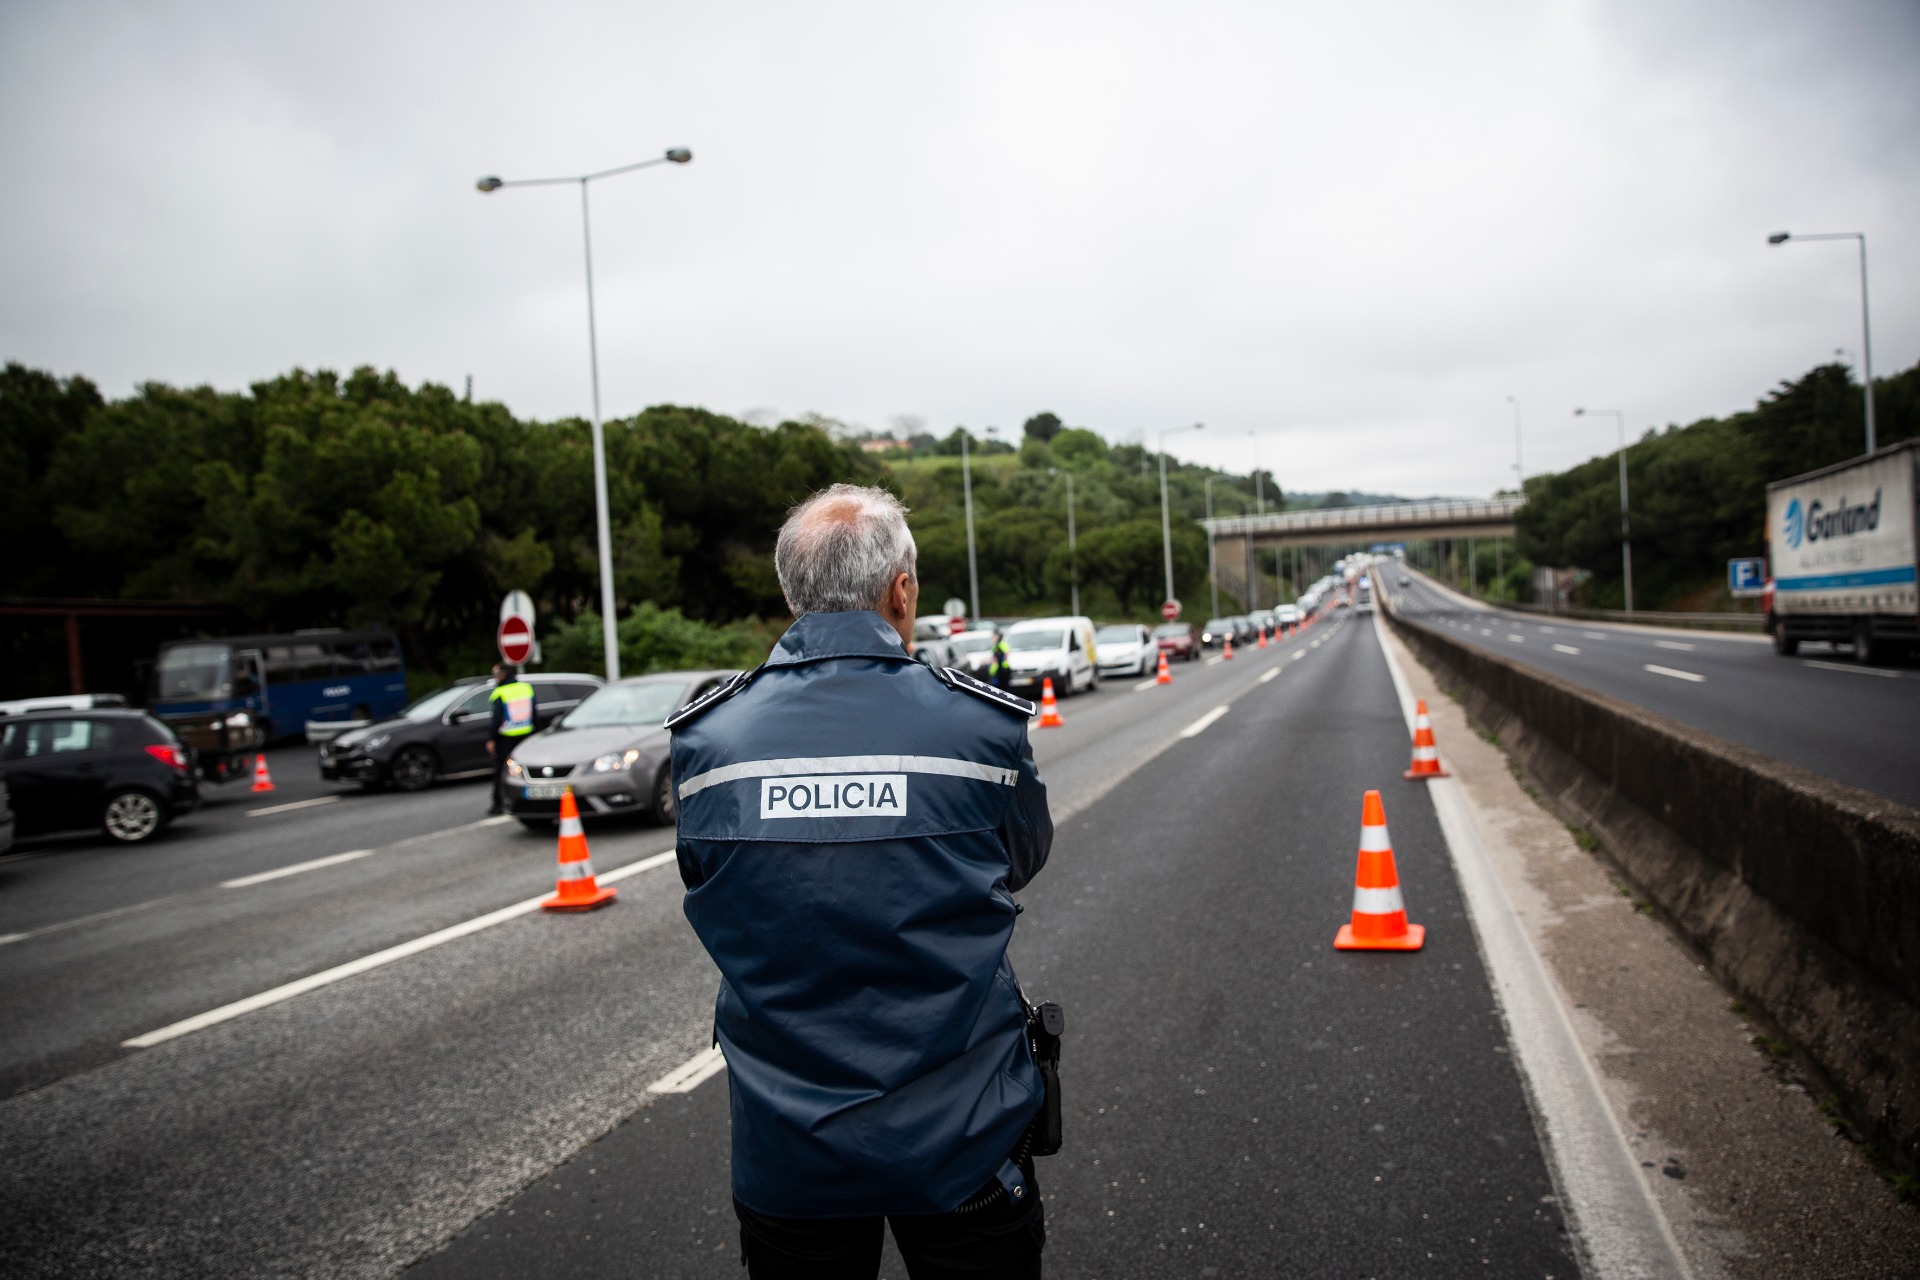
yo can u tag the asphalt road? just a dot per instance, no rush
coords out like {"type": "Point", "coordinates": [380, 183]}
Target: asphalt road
{"type": "Point", "coordinates": [1241, 1098]}
{"type": "Point", "coordinates": [1820, 710]}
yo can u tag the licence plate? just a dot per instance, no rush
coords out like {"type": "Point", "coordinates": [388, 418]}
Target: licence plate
{"type": "Point", "coordinates": [545, 790]}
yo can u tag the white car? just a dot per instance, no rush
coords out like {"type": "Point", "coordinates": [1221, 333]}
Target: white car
{"type": "Point", "coordinates": [1060, 649]}
{"type": "Point", "coordinates": [1127, 649]}
{"type": "Point", "coordinates": [1288, 615]}
{"type": "Point", "coordinates": [972, 652]}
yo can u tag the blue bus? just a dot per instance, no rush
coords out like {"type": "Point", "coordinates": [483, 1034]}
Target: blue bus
{"type": "Point", "coordinates": [228, 698]}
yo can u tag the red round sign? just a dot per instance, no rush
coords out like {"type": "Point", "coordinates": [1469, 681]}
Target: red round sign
{"type": "Point", "coordinates": [1170, 610]}
{"type": "Point", "coordinates": [956, 625]}
{"type": "Point", "coordinates": [516, 640]}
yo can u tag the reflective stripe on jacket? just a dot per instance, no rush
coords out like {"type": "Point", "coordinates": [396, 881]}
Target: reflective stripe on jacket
{"type": "Point", "coordinates": [852, 824]}
{"type": "Point", "coordinates": [513, 709]}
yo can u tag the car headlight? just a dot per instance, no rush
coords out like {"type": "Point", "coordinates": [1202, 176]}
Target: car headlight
{"type": "Point", "coordinates": [516, 770]}
{"type": "Point", "coordinates": [377, 741]}
{"type": "Point", "coordinates": [614, 760]}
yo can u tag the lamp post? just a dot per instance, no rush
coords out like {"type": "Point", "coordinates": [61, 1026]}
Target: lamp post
{"type": "Point", "coordinates": [1519, 475]}
{"type": "Point", "coordinates": [1073, 546]}
{"type": "Point", "coordinates": [1213, 579]}
{"type": "Point", "coordinates": [973, 563]}
{"type": "Point", "coordinates": [1166, 524]}
{"type": "Point", "coordinates": [1866, 327]}
{"type": "Point", "coordinates": [1626, 543]}
{"type": "Point", "coordinates": [487, 186]}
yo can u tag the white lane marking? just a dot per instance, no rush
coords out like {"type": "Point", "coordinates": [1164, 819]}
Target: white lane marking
{"type": "Point", "coordinates": [690, 1074]}
{"type": "Point", "coordinates": [23, 855]}
{"type": "Point", "coordinates": [1299, 653]}
{"type": "Point", "coordinates": [1516, 638]}
{"type": "Point", "coordinates": [1565, 648]}
{"type": "Point", "coordinates": [331, 860]}
{"type": "Point", "coordinates": [1544, 627]}
{"type": "Point", "coordinates": [289, 808]}
{"type": "Point", "coordinates": [5, 938]}
{"type": "Point", "coordinates": [1593, 635]}
{"type": "Point", "coordinates": [1677, 675]}
{"type": "Point", "coordinates": [352, 968]}
{"type": "Point", "coordinates": [1610, 1204]}
{"type": "Point", "coordinates": [1841, 666]}
{"type": "Point", "coordinates": [1673, 644]}
{"type": "Point", "coordinates": [1486, 631]}
{"type": "Point", "coordinates": [1269, 674]}
{"type": "Point", "coordinates": [1214, 662]}
{"type": "Point", "coordinates": [1145, 685]}
{"type": "Point", "coordinates": [1199, 726]}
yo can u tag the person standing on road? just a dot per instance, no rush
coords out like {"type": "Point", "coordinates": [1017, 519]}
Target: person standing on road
{"type": "Point", "coordinates": [512, 704]}
{"type": "Point", "coordinates": [852, 826]}
{"type": "Point", "coordinates": [999, 669]}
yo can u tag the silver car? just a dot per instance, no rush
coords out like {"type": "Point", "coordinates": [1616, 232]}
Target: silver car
{"type": "Point", "coordinates": [612, 750]}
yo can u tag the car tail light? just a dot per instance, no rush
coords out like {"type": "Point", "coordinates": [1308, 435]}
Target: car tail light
{"type": "Point", "coordinates": [169, 755]}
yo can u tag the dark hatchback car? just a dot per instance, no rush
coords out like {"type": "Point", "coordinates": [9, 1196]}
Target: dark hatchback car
{"type": "Point", "coordinates": [443, 735]}
{"type": "Point", "coordinates": [121, 772]}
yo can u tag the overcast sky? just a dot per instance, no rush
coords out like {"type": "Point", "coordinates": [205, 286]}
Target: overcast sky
{"type": "Point", "coordinates": [1354, 227]}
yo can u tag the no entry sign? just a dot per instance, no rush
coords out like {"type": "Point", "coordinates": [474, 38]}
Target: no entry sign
{"type": "Point", "coordinates": [1170, 610]}
{"type": "Point", "coordinates": [516, 639]}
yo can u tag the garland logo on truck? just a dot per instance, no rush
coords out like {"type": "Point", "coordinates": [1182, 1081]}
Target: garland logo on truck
{"type": "Point", "coordinates": [1843, 521]}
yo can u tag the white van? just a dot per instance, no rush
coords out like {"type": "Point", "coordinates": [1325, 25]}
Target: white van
{"type": "Point", "coordinates": [1060, 648]}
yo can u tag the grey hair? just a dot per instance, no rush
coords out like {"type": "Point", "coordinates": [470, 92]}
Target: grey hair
{"type": "Point", "coordinates": [842, 548]}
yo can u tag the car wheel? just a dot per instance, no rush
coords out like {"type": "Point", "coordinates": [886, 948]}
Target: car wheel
{"type": "Point", "coordinates": [665, 806]}
{"type": "Point", "coordinates": [132, 816]}
{"type": "Point", "coordinates": [1784, 644]}
{"type": "Point", "coordinates": [413, 768]}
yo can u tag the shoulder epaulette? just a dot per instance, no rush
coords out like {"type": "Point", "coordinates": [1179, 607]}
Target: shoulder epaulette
{"type": "Point", "coordinates": [957, 679]}
{"type": "Point", "coordinates": [710, 699]}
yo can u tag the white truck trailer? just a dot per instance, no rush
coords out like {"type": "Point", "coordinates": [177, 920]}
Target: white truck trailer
{"type": "Point", "coordinates": [1841, 549]}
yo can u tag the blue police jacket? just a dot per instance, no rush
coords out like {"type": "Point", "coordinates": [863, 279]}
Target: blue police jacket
{"type": "Point", "coordinates": [852, 826]}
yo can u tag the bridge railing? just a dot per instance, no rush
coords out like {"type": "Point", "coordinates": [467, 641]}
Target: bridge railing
{"type": "Point", "coordinates": [1435, 511]}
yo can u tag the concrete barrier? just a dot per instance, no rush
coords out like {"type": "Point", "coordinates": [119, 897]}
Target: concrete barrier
{"type": "Point", "coordinates": [1801, 893]}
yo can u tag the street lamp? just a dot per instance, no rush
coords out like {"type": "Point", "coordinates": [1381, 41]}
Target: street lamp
{"type": "Point", "coordinates": [1213, 579]}
{"type": "Point", "coordinates": [966, 483]}
{"type": "Point", "coordinates": [1866, 328]}
{"type": "Point", "coordinates": [1166, 525]}
{"type": "Point", "coordinates": [489, 185]}
{"type": "Point", "coordinates": [1519, 475]}
{"type": "Point", "coordinates": [1626, 543]}
{"type": "Point", "coordinates": [1073, 545]}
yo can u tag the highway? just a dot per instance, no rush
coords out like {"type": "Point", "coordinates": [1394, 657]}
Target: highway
{"type": "Point", "coordinates": [1242, 1099]}
{"type": "Point", "coordinates": [1820, 710]}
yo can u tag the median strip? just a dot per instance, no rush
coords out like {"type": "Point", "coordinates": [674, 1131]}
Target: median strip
{"type": "Point", "coordinates": [327, 977]}
{"type": "Point", "coordinates": [1675, 674]}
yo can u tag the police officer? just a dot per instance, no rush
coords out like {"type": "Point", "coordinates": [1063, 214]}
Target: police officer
{"type": "Point", "coordinates": [512, 704]}
{"type": "Point", "coordinates": [999, 669]}
{"type": "Point", "coordinates": [852, 826]}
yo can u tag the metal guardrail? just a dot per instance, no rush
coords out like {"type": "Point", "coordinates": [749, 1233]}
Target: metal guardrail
{"type": "Point", "coordinates": [1704, 621]}
{"type": "Point", "coordinates": [1434, 511]}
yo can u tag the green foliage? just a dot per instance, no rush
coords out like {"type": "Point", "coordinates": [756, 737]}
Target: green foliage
{"type": "Point", "coordinates": [1697, 494]}
{"type": "Point", "coordinates": [1042, 427]}
{"type": "Point", "coordinates": [656, 639]}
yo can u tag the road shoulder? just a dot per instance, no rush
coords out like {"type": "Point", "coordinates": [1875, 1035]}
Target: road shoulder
{"type": "Point", "coordinates": [1750, 1175]}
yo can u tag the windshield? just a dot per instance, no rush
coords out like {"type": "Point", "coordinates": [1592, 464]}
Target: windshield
{"type": "Point", "coordinates": [1218, 624]}
{"type": "Point", "coordinates": [649, 703]}
{"type": "Point", "coordinates": [190, 671]}
{"type": "Point", "coordinates": [1117, 634]}
{"type": "Point", "coordinates": [973, 644]}
{"type": "Point", "coordinates": [1171, 629]}
{"type": "Point", "coordinates": [434, 704]}
{"type": "Point", "coordinates": [1028, 641]}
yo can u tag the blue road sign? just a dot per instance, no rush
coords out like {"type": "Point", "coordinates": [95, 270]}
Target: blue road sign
{"type": "Point", "coordinates": [1747, 576]}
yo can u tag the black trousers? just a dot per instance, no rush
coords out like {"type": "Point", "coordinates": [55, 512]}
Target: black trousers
{"type": "Point", "coordinates": [502, 748]}
{"type": "Point", "coordinates": [1001, 1241]}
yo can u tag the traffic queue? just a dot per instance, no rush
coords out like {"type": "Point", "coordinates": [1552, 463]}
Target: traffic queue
{"type": "Point", "coordinates": [90, 761]}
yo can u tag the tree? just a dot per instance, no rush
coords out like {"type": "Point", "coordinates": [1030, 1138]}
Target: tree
{"type": "Point", "coordinates": [1043, 427]}
{"type": "Point", "coordinates": [1128, 559]}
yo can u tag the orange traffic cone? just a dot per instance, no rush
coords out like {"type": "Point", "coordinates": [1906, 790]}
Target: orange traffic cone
{"type": "Point", "coordinates": [1263, 637]}
{"type": "Point", "coordinates": [1227, 652]}
{"type": "Point", "coordinates": [1379, 914]}
{"type": "Point", "coordinates": [262, 780]}
{"type": "Point", "coordinates": [1166, 673]}
{"type": "Point", "coordinates": [1426, 758]}
{"type": "Point", "coordinates": [1049, 709]}
{"type": "Point", "coordinates": [577, 890]}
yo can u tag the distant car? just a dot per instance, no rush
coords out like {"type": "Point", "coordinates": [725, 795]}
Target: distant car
{"type": "Point", "coordinates": [63, 702]}
{"type": "Point", "coordinates": [1062, 649]}
{"type": "Point", "coordinates": [124, 772]}
{"type": "Point", "coordinates": [972, 652]}
{"type": "Point", "coordinates": [1126, 649]}
{"type": "Point", "coordinates": [444, 734]}
{"type": "Point", "coordinates": [1215, 632]}
{"type": "Point", "coordinates": [1178, 640]}
{"type": "Point", "coordinates": [1243, 631]}
{"type": "Point", "coordinates": [1287, 615]}
{"type": "Point", "coordinates": [1263, 622]}
{"type": "Point", "coordinates": [612, 750]}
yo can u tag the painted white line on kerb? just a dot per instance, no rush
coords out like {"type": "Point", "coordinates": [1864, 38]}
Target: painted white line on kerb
{"type": "Point", "coordinates": [690, 1074]}
{"type": "Point", "coordinates": [1676, 674]}
{"type": "Point", "coordinates": [353, 968]}
{"type": "Point", "coordinates": [1199, 726]}
{"type": "Point", "coordinates": [1269, 674]}
{"type": "Point", "coordinates": [289, 808]}
{"type": "Point", "coordinates": [1565, 648]}
{"type": "Point", "coordinates": [332, 860]}
{"type": "Point", "coordinates": [1827, 666]}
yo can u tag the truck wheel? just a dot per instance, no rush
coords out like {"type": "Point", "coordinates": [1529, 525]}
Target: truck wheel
{"type": "Point", "coordinates": [1783, 644]}
{"type": "Point", "coordinates": [413, 769]}
{"type": "Point", "coordinates": [1864, 647]}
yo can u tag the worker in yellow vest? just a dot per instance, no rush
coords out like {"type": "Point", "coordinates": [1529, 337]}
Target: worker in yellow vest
{"type": "Point", "coordinates": [512, 703]}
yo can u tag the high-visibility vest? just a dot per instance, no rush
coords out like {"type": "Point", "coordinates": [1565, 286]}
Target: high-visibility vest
{"type": "Point", "coordinates": [518, 697]}
{"type": "Point", "coordinates": [998, 667]}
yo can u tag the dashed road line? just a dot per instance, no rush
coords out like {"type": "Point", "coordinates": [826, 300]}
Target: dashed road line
{"type": "Point", "coordinates": [1145, 685]}
{"type": "Point", "coordinates": [690, 1074]}
{"type": "Point", "coordinates": [1201, 725]}
{"type": "Point", "coordinates": [1676, 674]}
{"type": "Point", "coordinates": [1841, 666]}
{"type": "Point", "coordinates": [331, 860]}
{"type": "Point", "coordinates": [1514, 637]}
{"type": "Point", "coordinates": [1673, 644]}
{"type": "Point", "coordinates": [1565, 648]}
{"type": "Point", "coordinates": [1269, 674]}
{"type": "Point", "coordinates": [289, 808]}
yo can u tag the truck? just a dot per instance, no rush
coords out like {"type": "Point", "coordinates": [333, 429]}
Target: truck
{"type": "Point", "coordinates": [1840, 543]}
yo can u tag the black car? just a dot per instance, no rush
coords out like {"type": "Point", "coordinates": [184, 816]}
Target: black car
{"type": "Point", "coordinates": [444, 734]}
{"type": "Point", "coordinates": [123, 772]}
